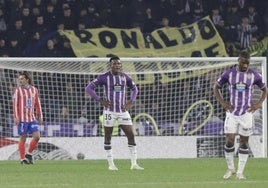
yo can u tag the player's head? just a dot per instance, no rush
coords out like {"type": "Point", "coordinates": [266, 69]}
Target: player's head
{"type": "Point", "coordinates": [115, 64]}
{"type": "Point", "coordinates": [243, 61]}
{"type": "Point", "coordinates": [25, 78]}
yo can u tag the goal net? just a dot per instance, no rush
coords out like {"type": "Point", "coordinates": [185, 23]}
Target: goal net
{"type": "Point", "coordinates": [175, 105]}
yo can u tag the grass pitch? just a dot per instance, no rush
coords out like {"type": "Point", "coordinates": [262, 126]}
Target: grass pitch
{"type": "Point", "coordinates": [158, 173]}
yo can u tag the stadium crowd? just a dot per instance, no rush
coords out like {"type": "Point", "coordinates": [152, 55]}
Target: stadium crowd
{"type": "Point", "coordinates": [29, 28]}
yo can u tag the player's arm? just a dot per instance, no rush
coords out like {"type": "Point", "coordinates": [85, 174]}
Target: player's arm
{"type": "Point", "coordinates": [258, 104]}
{"type": "Point", "coordinates": [133, 95]}
{"type": "Point", "coordinates": [259, 82]}
{"type": "Point", "coordinates": [16, 107]}
{"type": "Point", "coordinates": [38, 108]}
{"type": "Point", "coordinates": [217, 92]}
{"type": "Point", "coordinates": [90, 89]}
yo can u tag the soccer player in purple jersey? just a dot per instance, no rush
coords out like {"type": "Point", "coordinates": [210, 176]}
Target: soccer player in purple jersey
{"type": "Point", "coordinates": [116, 107]}
{"type": "Point", "coordinates": [239, 110]}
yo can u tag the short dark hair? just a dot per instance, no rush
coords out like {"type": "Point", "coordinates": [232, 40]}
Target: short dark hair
{"type": "Point", "coordinates": [114, 58]}
{"type": "Point", "coordinates": [27, 76]}
{"type": "Point", "coordinates": [244, 54]}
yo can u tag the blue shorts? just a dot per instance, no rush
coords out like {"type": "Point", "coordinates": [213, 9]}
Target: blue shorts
{"type": "Point", "coordinates": [28, 127]}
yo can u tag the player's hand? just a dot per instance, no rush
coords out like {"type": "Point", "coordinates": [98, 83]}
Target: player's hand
{"type": "Point", "coordinates": [227, 106]}
{"type": "Point", "coordinates": [16, 121]}
{"type": "Point", "coordinates": [40, 121]}
{"type": "Point", "coordinates": [105, 103]}
{"type": "Point", "coordinates": [128, 105]}
{"type": "Point", "coordinates": [253, 108]}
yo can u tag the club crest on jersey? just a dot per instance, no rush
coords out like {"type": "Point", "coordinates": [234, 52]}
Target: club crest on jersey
{"type": "Point", "coordinates": [123, 78]}
{"type": "Point", "coordinates": [117, 88]}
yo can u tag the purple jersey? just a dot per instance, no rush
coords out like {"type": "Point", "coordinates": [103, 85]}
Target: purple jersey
{"type": "Point", "coordinates": [241, 87]}
{"type": "Point", "coordinates": [114, 87]}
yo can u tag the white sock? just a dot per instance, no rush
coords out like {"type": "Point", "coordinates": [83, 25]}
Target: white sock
{"type": "Point", "coordinates": [133, 154]}
{"type": "Point", "coordinates": [110, 158]}
{"type": "Point", "coordinates": [109, 154]}
{"type": "Point", "coordinates": [229, 156]}
{"type": "Point", "coordinates": [242, 160]}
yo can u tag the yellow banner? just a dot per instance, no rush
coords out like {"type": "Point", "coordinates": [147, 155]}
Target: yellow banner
{"type": "Point", "coordinates": [258, 48]}
{"type": "Point", "coordinates": [199, 39]}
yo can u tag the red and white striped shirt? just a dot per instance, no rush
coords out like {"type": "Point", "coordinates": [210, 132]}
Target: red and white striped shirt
{"type": "Point", "coordinates": [25, 102]}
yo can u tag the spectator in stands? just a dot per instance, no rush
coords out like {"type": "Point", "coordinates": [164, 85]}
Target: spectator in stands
{"type": "Point", "coordinates": [245, 33]}
{"type": "Point", "coordinates": [216, 17]}
{"type": "Point", "coordinates": [162, 9]}
{"type": "Point", "coordinates": [254, 20]}
{"type": "Point", "coordinates": [254, 40]}
{"type": "Point", "coordinates": [14, 48]}
{"type": "Point", "coordinates": [150, 23]}
{"type": "Point", "coordinates": [232, 20]}
{"type": "Point", "coordinates": [60, 26]}
{"type": "Point", "coordinates": [68, 17]}
{"type": "Point", "coordinates": [81, 25]}
{"type": "Point", "coordinates": [115, 84]}
{"type": "Point", "coordinates": [34, 47]}
{"type": "Point", "coordinates": [39, 4]}
{"type": "Point", "coordinates": [239, 110]}
{"type": "Point", "coordinates": [138, 13]}
{"type": "Point", "coordinates": [50, 17]}
{"type": "Point", "coordinates": [3, 47]}
{"type": "Point", "coordinates": [27, 19]}
{"type": "Point", "coordinates": [188, 7]}
{"type": "Point", "coordinates": [13, 9]}
{"type": "Point", "coordinates": [223, 30]}
{"type": "Point", "coordinates": [105, 11]}
{"type": "Point", "coordinates": [64, 115]}
{"type": "Point", "coordinates": [36, 12]}
{"type": "Point", "coordinates": [179, 16]}
{"type": "Point", "coordinates": [165, 23]}
{"type": "Point", "coordinates": [198, 10]}
{"type": "Point", "coordinates": [3, 24]}
{"type": "Point", "coordinates": [56, 4]}
{"type": "Point", "coordinates": [50, 50]}
{"type": "Point", "coordinates": [17, 32]}
{"type": "Point", "coordinates": [91, 110]}
{"type": "Point", "coordinates": [90, 17]}
{"type": "Point", "coordinates": [243, 6]}
{"type": "Point", "coordinates": [121, 14]}
{"type": "Point", "coordinates": [40, 26]}
{"type": "Point", "coordinates": [66, 49]}
{"type": "Point", "coordinates": [230, 48]}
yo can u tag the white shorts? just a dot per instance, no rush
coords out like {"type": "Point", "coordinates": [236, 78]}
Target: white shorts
{"type": "Point", "coordinates": [242, 125]}
{"type": "Point", "coordinates": [109, 118]}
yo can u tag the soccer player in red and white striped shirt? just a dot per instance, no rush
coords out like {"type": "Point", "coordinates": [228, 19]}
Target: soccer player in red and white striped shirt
{"type": "Point", "coordinates": [26, 104]}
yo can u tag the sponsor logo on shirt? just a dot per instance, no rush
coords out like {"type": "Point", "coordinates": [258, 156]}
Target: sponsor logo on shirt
{"type": "Point", "coordinates": [240, 87]}
{"type": "Point", "coordinates": [117, 88]}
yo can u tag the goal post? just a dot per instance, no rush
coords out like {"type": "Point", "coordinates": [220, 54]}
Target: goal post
{"type": "Point", "coordinates": [175, 107]}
